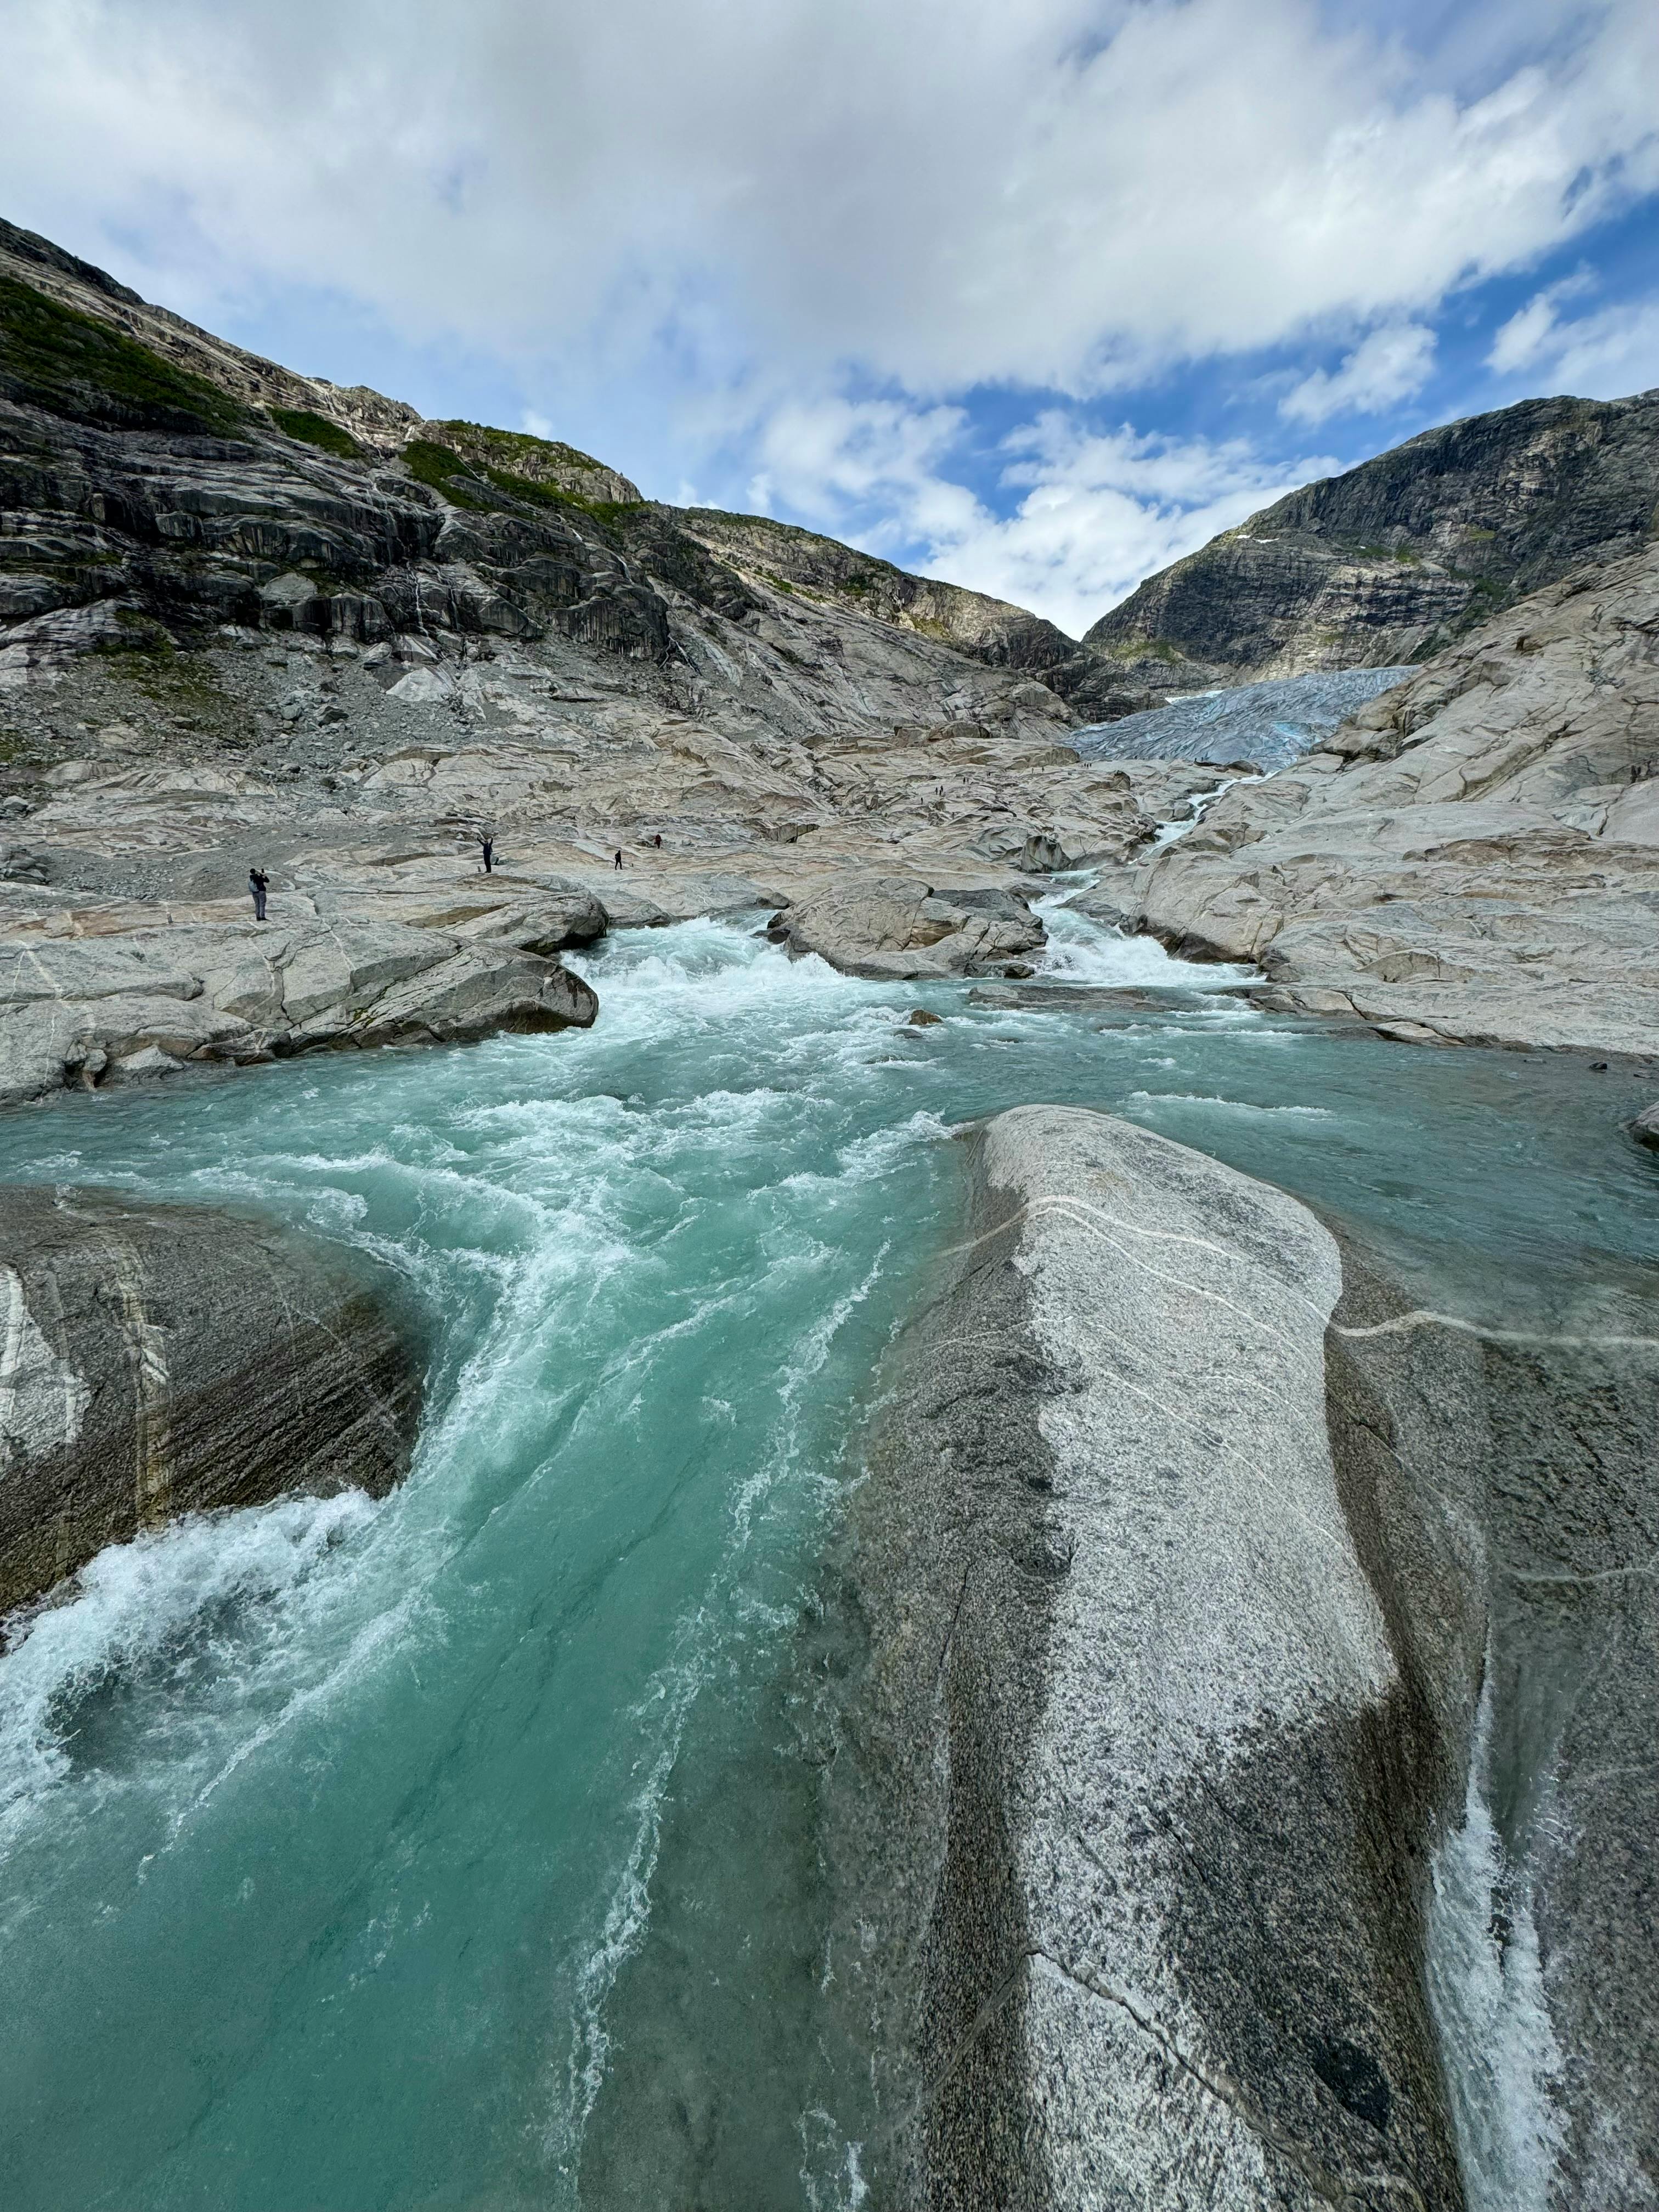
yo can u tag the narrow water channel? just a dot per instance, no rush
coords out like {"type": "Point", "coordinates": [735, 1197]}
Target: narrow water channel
{"type": "Point", "coordinates": [332, 1835]}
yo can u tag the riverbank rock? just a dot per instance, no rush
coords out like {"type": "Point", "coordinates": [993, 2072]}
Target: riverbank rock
{"type": "Point", "coordinates": [1132, 1885]}
{"type": "Point", "coordinates": [1474, 857]}
{"type": "Point", "coordinates": [157, 1360]}
{"type": "Point", "coordinates": [209, 985]}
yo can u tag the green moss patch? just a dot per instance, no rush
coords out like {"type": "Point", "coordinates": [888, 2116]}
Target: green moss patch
{"type": "Point", "coordinates": [52, 356]}
{"type": "Point", "coordinates": [316, 430]}
{"type": "Point", "coordinates": [438, 468]}
{"type": "Point", "coordinates": [516, 451]}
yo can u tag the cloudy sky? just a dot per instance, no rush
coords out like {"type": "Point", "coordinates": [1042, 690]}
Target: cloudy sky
{"type": "Point", "coordinates": [1032, 293]}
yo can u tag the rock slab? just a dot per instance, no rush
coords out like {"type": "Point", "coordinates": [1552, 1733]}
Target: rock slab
{"type": "Point", "coordinates": [157, 1360]}
{"type": "Point", "coordinates": [1130, 1884]}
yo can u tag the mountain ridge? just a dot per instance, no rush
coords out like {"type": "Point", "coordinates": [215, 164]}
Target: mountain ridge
{"type": "Point", "coordinates": [1393, 560]}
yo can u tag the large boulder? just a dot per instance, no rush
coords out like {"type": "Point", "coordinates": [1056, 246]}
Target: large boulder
{"type": "Point", "coordinates": [894, 928]}
{"type": "Point", "coordinates": [206, 987]}
{"type": "Point", "coordinates": [1129, 1878]}
{"type": "Point", "coordinates": [157, 1360]}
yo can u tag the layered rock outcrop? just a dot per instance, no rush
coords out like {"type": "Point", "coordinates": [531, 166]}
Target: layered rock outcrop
{"type": "Point", "coordinates": [157, 1360]}
{"type": "Point", "coordinates": [1392, 561]}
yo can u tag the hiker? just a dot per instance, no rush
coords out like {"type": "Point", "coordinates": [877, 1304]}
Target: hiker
{"type": "Point", "coordinates": [488, 844]}
{"type": "Point", "coordinates": [258, 883]}
{"type": "Point", "coordinates": [619, 859]}
{"type": "Point", "coordinates": [657, 840]}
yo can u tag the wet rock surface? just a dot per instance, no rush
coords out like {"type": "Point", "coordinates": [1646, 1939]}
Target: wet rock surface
{"type": "Point", "coordinates": [1241, 1792]}
{"type": "Point", "coordinates": [157, 1360]}
{"type": "Point", "coordinates": [894, 927]}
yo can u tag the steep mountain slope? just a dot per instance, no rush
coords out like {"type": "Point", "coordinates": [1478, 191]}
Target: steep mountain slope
{"type": "Point", "coordinates": [155, 475]}
{"type": "Point", "coordinates": [1391, 562]}
{"type": "Point", "coordinates": [802, 561]}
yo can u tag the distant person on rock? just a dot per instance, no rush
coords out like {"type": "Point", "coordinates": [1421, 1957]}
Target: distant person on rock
{"type": "Point", "coordinates": [258, 883]}
{"type": "Point", "coordinates": [618, 861]}
{"type": "Point", "coordinates": [657, 840]}
{"type": "Point", "coordinates": [488, 844]}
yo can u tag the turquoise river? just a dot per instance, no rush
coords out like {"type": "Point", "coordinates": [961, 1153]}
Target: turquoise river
{"type": "Point", "coordinates": [339, 1839]}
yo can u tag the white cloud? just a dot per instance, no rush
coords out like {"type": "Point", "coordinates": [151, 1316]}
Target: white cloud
{"type": "Point", "coordinates": [1526, 337]}
{"type": "Point", "coordinates": [1602, 356]}
{"type": "Point", "coordinates": [1095, 512]}
{"type": "Point", "coordinates": [1382, 369]}
{"type": "Point", "coordinates": [1066, 194]}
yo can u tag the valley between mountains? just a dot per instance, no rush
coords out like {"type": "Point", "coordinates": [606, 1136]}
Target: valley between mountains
{"type": "Point", "coordinates": [911, 1465]}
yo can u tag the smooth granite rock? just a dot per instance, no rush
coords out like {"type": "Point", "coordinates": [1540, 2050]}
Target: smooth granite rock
{"type": "Point", "coordinates": [892, 927]}
{"type": "Point", "coordinates": [1475, 857]}
{"type": "Point", "coordinates": [1131, 1883]}
{"type": "Point", "coordinates": [212, 986]}
{"type": "Point", "coordinates": [157, 1360]}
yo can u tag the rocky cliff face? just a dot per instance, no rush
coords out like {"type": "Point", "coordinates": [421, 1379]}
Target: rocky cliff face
{"type": "Point", "coordinates": [161, 483]}
{"type": "Point", "coordinates": [157, 1360]}
{"type": "Point", "coordinates": [1391, 562]}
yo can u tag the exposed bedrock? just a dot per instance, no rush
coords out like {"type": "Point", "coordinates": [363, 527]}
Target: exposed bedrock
{"type": "Point", "coordinates": [1145, 1887]}
{"type": "Point", "coordinates": [157, 1360]}
{"type": "Point", "coordinates": [108, 1004]}
{"type": "Point", "coordinates": [1187, 1552]}
{"type": "Point", "coordinates": [1508, 1480]}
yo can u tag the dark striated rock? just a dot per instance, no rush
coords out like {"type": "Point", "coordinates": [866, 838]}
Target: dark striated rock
{"type": "Point", "coordinates": [157, 1360]}
{"type": "Point", "coordinates": [1504, 1482]}
{"type": "Point", "coordinates": [1390, 561]}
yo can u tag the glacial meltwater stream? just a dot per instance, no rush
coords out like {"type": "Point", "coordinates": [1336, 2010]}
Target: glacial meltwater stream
{"type": "Point", "coordinates": [334, 1834]}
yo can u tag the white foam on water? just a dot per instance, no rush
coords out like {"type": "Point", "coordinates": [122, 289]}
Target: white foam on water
{"type": "Point", "coordinates": [141, 1604]}
{"type": "Point", "coordinates": [1498, 2047]}
{"type": "Point", "coordinates": [1229, 1105]}
{"type": "Point", "coordinates": [1083, 951]}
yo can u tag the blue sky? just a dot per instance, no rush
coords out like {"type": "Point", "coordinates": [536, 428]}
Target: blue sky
{"type": "Point", "coordinates": [1036, 297]}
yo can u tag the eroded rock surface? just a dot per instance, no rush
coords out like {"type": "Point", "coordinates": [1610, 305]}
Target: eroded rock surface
{"type": "Point", "coordinates": [157, 1360]}
{"type": "Point", "coordinates": [1475, 857]}
{"type": "Point", "coordinates": [93, 997]}
{"type": "Point", "coordinates": [1132, 1882]}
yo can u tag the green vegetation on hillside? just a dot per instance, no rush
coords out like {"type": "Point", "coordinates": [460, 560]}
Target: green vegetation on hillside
{"type": "Point", "coordinates": [317, 430]}
{"type": "Point", "coordinates": [466, 483]}
{"type": "Point", "coordinates": [52, 356]}
{"type": "Point", "coordinates": [516, 451]}
{"type": "Point", "coordinates": [437, 467]}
